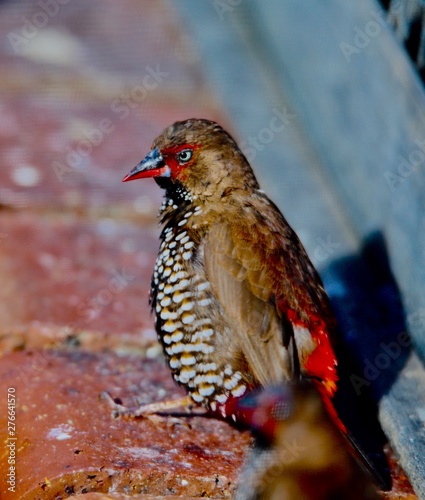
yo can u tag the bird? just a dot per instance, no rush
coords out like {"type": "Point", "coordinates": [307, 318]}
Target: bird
{"type": "Point", "coordinates": [237, 302]}
{"type": "Point", "coordinates": [298, 452]}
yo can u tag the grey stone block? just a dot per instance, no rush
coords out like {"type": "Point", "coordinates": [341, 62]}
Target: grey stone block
{"type": "Point", "coordinates": [350, 161]}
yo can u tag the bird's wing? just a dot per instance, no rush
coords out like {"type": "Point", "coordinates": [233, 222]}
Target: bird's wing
{"type": "Point", "coordinates": [269, 291]}
{"type": "Point", "coordinates": [259, 331]}
{"type": "Point", "coordinates": [264, 281]}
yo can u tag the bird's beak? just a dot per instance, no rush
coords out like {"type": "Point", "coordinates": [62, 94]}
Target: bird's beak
{"type": "Point", "coordinates": [151, 166]}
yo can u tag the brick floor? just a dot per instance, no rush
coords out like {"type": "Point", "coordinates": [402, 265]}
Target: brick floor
{"type": "Point", "coordinates": [77, 249]}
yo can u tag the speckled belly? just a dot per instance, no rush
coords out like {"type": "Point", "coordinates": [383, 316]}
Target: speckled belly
{"type": "Point", "coordinates": [185, 310]}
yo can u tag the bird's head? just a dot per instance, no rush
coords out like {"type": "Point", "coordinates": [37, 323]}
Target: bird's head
{"type": "Point", "coordinates": [198, 158]}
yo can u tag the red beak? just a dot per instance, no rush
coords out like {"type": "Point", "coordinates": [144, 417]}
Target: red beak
{"type": "Point", "coordinates": [151, 166]}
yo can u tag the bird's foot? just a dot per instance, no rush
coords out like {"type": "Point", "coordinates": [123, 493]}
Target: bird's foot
{"type": "Point", "coordinates": [154, 412]}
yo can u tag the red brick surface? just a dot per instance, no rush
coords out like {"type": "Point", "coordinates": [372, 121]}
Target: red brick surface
{"type": "Point", "coordinates": [78, 111]}
{"type": "Point", "coordinates": [77, 248]}
{"type": "Point", "coordinates": [69, 441]}
{"type": "Point", "coordinates": [82, 272]}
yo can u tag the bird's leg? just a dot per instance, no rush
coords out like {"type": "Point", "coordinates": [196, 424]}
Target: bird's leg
{"type": "Point", "coordinates": [162, 406]}
{"type": "Point", "coordinates": [148, 410]}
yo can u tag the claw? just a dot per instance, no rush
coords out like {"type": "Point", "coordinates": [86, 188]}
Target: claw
{"type": "Point", "coordinates": [118, 410]}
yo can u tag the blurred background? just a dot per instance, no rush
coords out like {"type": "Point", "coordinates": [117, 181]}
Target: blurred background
{"type": "Point", "coordinates": [327, 103]}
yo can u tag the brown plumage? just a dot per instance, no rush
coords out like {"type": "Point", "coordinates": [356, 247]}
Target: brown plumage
{"type": "Point", "coordinates": [238, 303]}
{"type": "Point", "coordinates": [229, 263]}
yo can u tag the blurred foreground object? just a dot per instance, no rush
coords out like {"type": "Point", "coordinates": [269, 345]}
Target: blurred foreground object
{"type": "Point", "coordinates": [298, 452]}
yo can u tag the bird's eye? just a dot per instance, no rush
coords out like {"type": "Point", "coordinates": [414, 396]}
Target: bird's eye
{"type": "Point", "coordinates": [184, 156]}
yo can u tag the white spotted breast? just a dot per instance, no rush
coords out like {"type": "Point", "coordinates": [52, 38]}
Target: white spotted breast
{"type": "Point", "coordinates": [184, 303]}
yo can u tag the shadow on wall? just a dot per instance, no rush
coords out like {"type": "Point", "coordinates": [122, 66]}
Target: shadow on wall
{"type": "Point", "coordinates": [375, 346]}
{"type": "Point", "coordinates": [368, 307]}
